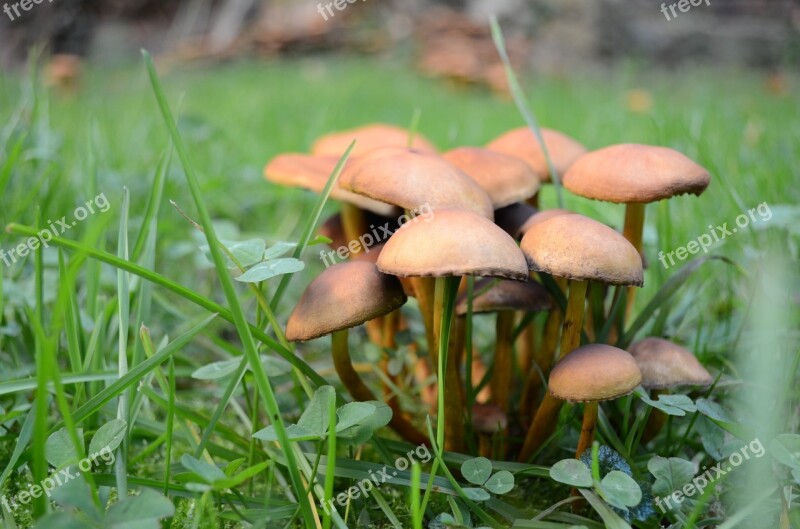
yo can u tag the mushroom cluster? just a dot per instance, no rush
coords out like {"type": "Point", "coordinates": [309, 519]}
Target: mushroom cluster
{"type": "Point", "coordinates": [537, 266]}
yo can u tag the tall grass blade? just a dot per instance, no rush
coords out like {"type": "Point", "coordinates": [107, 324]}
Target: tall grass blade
{"type": "Point", "coordinates": [242, 327]}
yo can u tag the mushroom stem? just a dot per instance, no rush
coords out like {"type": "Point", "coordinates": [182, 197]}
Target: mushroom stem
{"type": "Point", "coordinates": [389, 323]}
{"type": "Point", "coordinates": [449, 413]}
{"type": "Point", "coordinates": [503, 359]}
{"type": "Point", "coordinates": [634, 224]}
{"type": "Point", "coordinates": [543, 361]}
{"type": "Point", "coordinates": [354, 224]}
{"type": "Point", "coordinates": [526, 347]}
{"type": "Point", "coordinates": [545, 419]}
{"type": "Point", "coordinates": [634, 227]}
{"type": "Point", "coordinates": [573, 319]}
{"type": "Point", "coordinates": [424, 291]}
{"type": "Point", "coordinates": [351, 380]}
{"type": "Point", "coordinates": [485, 445]}
{"type": "Point", "coordinates": [587, 428]}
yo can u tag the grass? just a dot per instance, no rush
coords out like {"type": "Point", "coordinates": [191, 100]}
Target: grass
{"type": "Point", "coordinates": [71, 317]}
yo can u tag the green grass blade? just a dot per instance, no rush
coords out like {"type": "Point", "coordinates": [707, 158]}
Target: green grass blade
{"type": "Point", "coordinates": [308, 229]}
{"type": "Point", "coordinates": [664, 294]}
{"type": "Point", "coordinates": [178, 289]}
{"type": "Point", "coordinates": [240, 321]}
{"type": "Point", "coordinates": [170, 424]}
{"type": "Point", "coordinates": [96, 403]}
{"type": "Point", "coordinates": [150, 220]}
{"type": "Point", "coordinates": [522, 105]}
{"type": "Point", "coordinates": [123, 318]}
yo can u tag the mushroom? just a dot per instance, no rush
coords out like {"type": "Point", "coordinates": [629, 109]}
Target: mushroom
{"type": "Point", "coordinates": [635, 175]}
{"type": "Point", "coordinates": [515, 220]}
{"type": "Point", "coordinates": [541, 216]}
{"type": "Point", "coordinates": [312, 172]}
{"type": "Point", "coordinates": [64, 71]}
{"type": "Point", "coordinates": [411, 178]}
{"type": "Point", "coordinates": [488, 420]}
{"type": "Point", "coordinates": [522, 143]}
{"type": "Point", "coordinates": [506, 179]}
{"type": "Point", "coordinates": [591, 374]}
{"type": "Point", "coordinates": [369, 137]}
{"type": "Point", "coordinates": [343, 296]}
{"type": "Point", "coordinates": [505, 297]}
{"type": "Point", "coordinates": [451, 244]}
{"type": "Point", "coordinates": [665, 365]}
{"type": "Point", "coordinates": [581, 250]}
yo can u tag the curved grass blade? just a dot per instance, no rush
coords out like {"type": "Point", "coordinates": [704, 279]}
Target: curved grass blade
{"type": "Point", "coordinates": [522, 105]}
{"type": "Point", "coordinates": [667, 290]}
{"type": "Point", "coordinates": [242, 326]}
{"type": "Point", "coordinates": [178, 289]}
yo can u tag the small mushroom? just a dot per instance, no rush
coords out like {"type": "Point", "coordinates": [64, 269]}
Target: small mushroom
{"type": "Point", "coordinates": [64, 71]}
{"type": "Point", "coordinates": [635, 175]}
{"type": "Point", "coordinates": [541, 216]}
{"type": "Point", "coordinates": [411, 179]}
{"type": "Point", "coordinates": [488, 420]}
{"type": "Point", "coordinates": [591, 374]}
{"type": "Point", "coordinates": [368, 138]}
{"type": "Point", "coordinates": [312, 172]}
{"type": "Point", "coordinates": [344, 296]}
{"type": "Point", "coordinates": [506, 179]}
{"type": "Point", "coordinates": [580, 249]}
{"type": "Point", "coordinates": [450, 244]}
{"type": "Point", "coordinates": [665, 365]}
{"type": "Point", "coordinates": [522, 143]}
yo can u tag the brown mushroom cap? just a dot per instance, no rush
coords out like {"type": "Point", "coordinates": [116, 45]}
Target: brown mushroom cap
{"type": "Point", "coordinates": [452, 242]}
{"type": "Point", "coordinates": [512, 218]}
{"type": "Point", "coordinates": [312, 173]}
{"type": "Point", "coordinates": [506, 179]}
{"type": "Point", "coordinates": [665, 365]}
{"type": "Point", "coordinates": [368, 137]}
{"type": "Point", "coordinates": [505, 294]}
{"type": "Point", "coordinates": [411, 179]}
{"type": "Point", "coordinates": [593, 373]}
{"type": "Point", "coordinates": [488, 418]}
{"type": "Point", "coordinates": [541, 216]}
{"type": "Point", "coordinates": [635, 173]}
{"type": "Point", "coordinates": [577, 247]}
{"type": "Point", "coordinates": [522, 143]}
{"type": "Point", "coordinates": [343, 296]}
